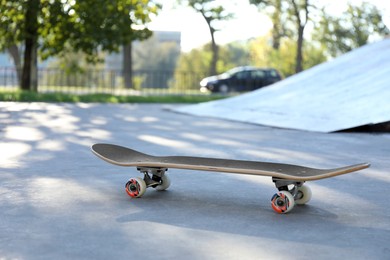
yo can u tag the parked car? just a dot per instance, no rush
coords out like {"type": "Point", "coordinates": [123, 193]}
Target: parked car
{"type": "Point", "coordinates": [239, 79]}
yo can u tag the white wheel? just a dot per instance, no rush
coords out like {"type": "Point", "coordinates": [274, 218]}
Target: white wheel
{"type": "Point", "coordinates": [282, 202]}
{"type": "Point", "coordinates": [135, 187]}
{"type": "Point", "coordinates": [165, 183]}
{"type": "Point", "coordinates": [304, 195]}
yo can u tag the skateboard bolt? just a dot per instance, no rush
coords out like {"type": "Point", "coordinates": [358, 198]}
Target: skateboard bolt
{"type": "Point", "coordinates": [133, 187]}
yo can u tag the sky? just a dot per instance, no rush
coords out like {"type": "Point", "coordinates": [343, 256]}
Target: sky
{"type": "Point", "coordinates": [247, 23]}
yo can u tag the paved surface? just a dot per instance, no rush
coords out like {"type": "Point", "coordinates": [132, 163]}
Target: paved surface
{"type": "Point", "coordinates": [59, 201]}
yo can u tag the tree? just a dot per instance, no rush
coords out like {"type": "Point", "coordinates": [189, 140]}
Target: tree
{"type": "Point", "coordinates": [158, 59]}
{"type": "Point", "coordinates": [264, 55]}
{"type": "Point", "coordinates": [297, 14]}
{"type": "Point", "coordinates": [31, 26]}
{"type": "Point", "coordinates": [300, 13]}
{"type": "Point", "coordinates": [278, 28]}
{"type": "Point", "coordinates": [73, 69]}
{"type": "Point", "coordinates": [352, 29]}
{"type": "Point", "coordinates": [50, 27]}
{"type": "Point", "coordinates": [212, 14]}
{"type": "Point", "coordinates": [192, 67]}
{"type": "Point", "coordinates": [277, 14]}
{"type": "Point", "coordinates": [232, 55]}
{"type": "Point", "coordinates": [13, 22]}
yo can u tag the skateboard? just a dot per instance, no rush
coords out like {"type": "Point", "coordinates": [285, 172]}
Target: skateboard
{"type": "Point", "coordinates": [289, 179]}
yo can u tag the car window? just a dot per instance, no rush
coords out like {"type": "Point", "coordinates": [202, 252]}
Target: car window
{"type": "Point", "coordinates": [242, 75]}
{"type": "Point", "coordinates": [273, 73]}
{"type": "Point", "coordinates": [256, 74]}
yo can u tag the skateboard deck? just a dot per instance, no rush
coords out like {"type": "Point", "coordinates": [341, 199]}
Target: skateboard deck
{"type": "Point", "coordinates": [154, 168]}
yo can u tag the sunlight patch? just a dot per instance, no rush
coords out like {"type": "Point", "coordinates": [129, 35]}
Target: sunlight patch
{"type": "Point", "coordinates": [195, 137]}
{"type": "Point", "coordinates": [50, 145]}
{"type": "Point", "coordinates": [149, 119]}
{"type": "Point", "coordinates": [11, 153]}
{"type": "Point", "coordinates": [163, 141]}
{"type": "Point", "coordinates": [94, 133]}
{"type": "Point", "coordinates": [99, 121]}
{"type": "Point", "coordinates": [23, 133]}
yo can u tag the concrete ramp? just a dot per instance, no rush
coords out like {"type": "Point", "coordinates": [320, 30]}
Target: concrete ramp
{"type": "Point", "coordinates": [350, 91]}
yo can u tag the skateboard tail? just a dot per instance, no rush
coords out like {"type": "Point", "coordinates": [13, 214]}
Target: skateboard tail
{"type": "Point", "coordinates": [332, 172]}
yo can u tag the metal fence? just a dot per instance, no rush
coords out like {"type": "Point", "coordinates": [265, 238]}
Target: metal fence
{"type": "Point", "coordinates": [109, 81]}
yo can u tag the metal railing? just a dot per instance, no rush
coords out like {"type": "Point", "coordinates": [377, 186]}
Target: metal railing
{"type": "Point", "coordinates": [109, 81]}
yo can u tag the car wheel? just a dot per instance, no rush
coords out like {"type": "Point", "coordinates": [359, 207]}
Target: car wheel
{"type": "Point", "coordinates": [223, 88]}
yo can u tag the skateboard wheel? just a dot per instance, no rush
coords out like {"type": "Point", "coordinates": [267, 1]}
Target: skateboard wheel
{"type": "Point", "coordinates": [282, 202]}
{"type": "Point", "coordinates": [165, 183]}
{"type": "Point", "coordinates": [304, 195]}
{"type": "Point", "coordinates": [135, 187]}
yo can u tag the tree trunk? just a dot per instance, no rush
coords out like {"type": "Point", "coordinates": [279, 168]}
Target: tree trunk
{"type": "Point", "coordinates": [301, 23]}
{"type": "Point", "coordinates": [214, 59]}
{"type": "Point", "coordinates": [127, 65]}
{"type": "Point", "coordinates": [30, 68]}
{"type": "Point", "coordinates": [214, 46]}
{"type": "Point", "coordinates": [277, 28]}
{"type": "Point", "coordinates": [13, 50]}
{"type": "Point", "coordinates": [299, 57]}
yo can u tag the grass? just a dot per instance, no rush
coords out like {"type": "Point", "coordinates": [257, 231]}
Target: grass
{"type": "Point", "coordinates": [26, 96]}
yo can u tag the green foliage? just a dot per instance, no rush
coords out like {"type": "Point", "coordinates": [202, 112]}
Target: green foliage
{"type": "Point", "coordinates": [232, 55]}
{"type": "Point", "coordinates": [283, 59]}
{"type": "Point", "coordinates": [287, 14]}
{"type": "Point", "coordinates": [26, 96]}
{"type": "Point", "coordinates": [211, 10]}
{"type": "Point", "coordinates": [352, 29]}
{"type": "Point", "coordinates": [92, 25]}
{"type": "Point", "coordinates": [73, 70]}
{"type": "Point", "coordinates": [11, 22]}
{"type": "Point", "coordinates": [196, 60]}
{"type": "Point", "coordinates": [192, 67]}
{"type": "Point", "coordinates": [258, 52]}
{"type": "Point", "coordinates": [154, 57]}
{"type": "Point", "coordinates": [213, 13]}
{"type": "Point", "coordinates": [87, 26]}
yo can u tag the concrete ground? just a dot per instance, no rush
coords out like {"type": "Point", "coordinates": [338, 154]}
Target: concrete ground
{"type": "Point", "coordinates": [59, 201]}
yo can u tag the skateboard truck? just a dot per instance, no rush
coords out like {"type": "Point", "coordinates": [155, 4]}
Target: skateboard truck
{"type": "Point", "coordinates": [154, 177]}
{"type": "Point", "coordinates": [282, 184]}
{"type": "Point", "coordinates": [285, 200]}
